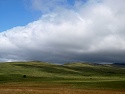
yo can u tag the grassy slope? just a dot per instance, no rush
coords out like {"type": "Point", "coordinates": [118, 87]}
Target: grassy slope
{"type": "Point", "coordinates": [75, 75]}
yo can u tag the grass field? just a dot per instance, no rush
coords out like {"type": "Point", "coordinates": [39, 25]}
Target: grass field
{"type": "Point", "coordinates": [72, 78]}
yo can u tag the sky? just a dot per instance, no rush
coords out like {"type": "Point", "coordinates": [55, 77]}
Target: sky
{"type": "Point", "coordinates": [62, 31]}
{"type": "Point", "coordinates": [16, 13]}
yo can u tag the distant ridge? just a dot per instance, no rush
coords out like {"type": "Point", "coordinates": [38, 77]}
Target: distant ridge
{"type": "Point", "coordinates": [119, 64]}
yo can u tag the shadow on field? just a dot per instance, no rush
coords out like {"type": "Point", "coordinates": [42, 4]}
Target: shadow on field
{"type": "Point", "coordinates": [75, 70]}
{"type": "Point", "coordinates": [57, 69]}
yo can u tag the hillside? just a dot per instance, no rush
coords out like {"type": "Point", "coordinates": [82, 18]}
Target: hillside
{"type": "Point", "coordinates": [80, 75]}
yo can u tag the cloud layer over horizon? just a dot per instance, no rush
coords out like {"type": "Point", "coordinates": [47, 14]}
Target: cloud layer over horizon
{"type": "Point", "coordinates": [85, 31]}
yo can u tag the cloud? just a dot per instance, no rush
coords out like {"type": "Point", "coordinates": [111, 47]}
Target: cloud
{"type": "Point", "coordinates": [46, 6]}
{"type": "Point", "coordinates": [93, 31]}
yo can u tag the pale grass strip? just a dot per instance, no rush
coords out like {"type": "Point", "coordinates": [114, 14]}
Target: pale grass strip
{"type": "Point", "coordinates": [58, 91]}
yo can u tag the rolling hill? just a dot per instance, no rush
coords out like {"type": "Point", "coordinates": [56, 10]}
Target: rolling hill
{"type": "Point", "coordinates": [78, 75]}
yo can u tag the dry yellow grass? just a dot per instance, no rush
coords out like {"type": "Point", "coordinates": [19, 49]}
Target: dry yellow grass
{"type": "Point", "coordinates": [50, 88]}
{"type": "Point", "coordinates": [38, 90]}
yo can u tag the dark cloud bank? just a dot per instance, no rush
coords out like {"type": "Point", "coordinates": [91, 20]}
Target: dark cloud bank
{"type": "Point", "coordinates": [93, 31]}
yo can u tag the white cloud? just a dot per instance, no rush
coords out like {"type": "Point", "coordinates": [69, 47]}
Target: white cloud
{"type": "Point", "coordinates": [95, 32]}
{"type": "Point", "coordinates": [48, 5]}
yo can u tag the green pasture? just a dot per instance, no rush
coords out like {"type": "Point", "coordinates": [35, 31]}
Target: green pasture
{"type": "Point", "coordinates": [74, 75]}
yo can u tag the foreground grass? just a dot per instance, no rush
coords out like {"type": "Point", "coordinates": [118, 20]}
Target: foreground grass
{"type": "Point", "coordinates": [50, 88]}
{"type": "Point", "coordinates": [57, 91]}
{"type": "Point", "coordinates": [75, 78]}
